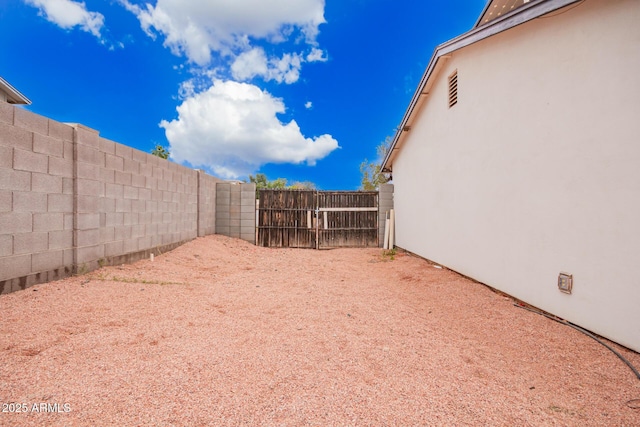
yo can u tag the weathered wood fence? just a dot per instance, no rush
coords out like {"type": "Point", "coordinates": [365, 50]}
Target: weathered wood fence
{"type": "Point", "coordinates": [318, 219]}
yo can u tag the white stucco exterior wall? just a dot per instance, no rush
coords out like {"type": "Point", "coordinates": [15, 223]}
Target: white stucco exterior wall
{"type": "Point", "coordinates": [536, 170]}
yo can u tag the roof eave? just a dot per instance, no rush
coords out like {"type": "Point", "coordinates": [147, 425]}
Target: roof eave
{"type": "Point", "coordinates": [476, 34]}
{"type": "Point", "coordinates": [13, 95]}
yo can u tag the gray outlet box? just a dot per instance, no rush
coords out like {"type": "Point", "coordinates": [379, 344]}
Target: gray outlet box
{"type": "Point", "coordinates": [565, 282]}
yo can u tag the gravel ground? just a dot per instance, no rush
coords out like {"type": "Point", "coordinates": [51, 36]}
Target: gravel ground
{"type": "Point", "coordinates": [220, 332]}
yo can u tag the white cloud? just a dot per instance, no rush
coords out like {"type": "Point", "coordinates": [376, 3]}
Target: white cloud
{"type": "Point", "coordinates": [68, 14]}
{"type": "Point", "coordinates": [254, 63]}
{"type": "Point", "coordinates": [308, 105]}
{"type": "Point", "coordinates": [196, 28]}
{"type": "Point", "coordinates": [233, 128]}
{"type": "Point", "coordinates": [316, 55]}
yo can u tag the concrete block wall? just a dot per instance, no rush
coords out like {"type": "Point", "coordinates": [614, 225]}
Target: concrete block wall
{"type": "Point", "coordinates": [385, 204]}
{"type": "Point", "coordinates": [206, 204]}
{"type": "Point", "coordinates": [236, 210]}
{"type": "Point", "coordinates": [71, 201]}
{"type": "Point", "coordinates": [36, 199]}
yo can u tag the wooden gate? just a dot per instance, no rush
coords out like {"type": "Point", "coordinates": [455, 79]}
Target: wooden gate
{"type": "Point", "coordinates": [317, 219]}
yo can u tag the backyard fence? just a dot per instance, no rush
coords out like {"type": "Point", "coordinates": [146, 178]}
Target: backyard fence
{"type": "Point", "coordinates": [319, 219]}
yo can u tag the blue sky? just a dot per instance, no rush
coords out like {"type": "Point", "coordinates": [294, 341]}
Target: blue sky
{"type": "Point", "coordinates": [298, 89]}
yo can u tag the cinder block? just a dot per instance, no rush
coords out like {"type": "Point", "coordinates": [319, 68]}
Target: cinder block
{"type": "Point", "coordinates": [114, 162]}
{"type": "Point", "coordinates": [124, 151]}
{"type": "Point", "coordinates": [131, 166]}
{"type": "Point", "coordinates": [6, 112]}
{"type": "Point", "coordinates": [6, 201]}
{"type": "Point", "coordinates": [234, 232]}
{"type": "Point", "coordinates": [90, 155]}
{"type": "Point", "coordinates": [61, 167]}
{"type": "Point", "coordinates": [88, 187]}
{"type": "Point", "coordinates": [114, 248]}
{"type": "Point", "coordinates": [48, 221]}
{"type": "Point", "coordinates": [6, 245]}
{"type": "Point", "coordinates": [15, 266]}
{"type": "Point", "coordinates": [115, 191]}
{"type": "Point", "coordinates": [107, 146]}
{"type": "Point", "coordinates": [6, 157]}
{"type": "Point", "coordinates": [248, 209]}
{"type": "Point", "coordinates": [69, 148]}
{"type": "Point", "coordinates": [114, 219]}
{"type": "Point", "coordinates": [68, 221]}
{"type": "Point", "coordinates": [130, 245]}
{"type": "Point", "coordinates": [247, 224]}
{"type": "Point", "coordinates": [45, 261]}
{"type": "Point", "coordinates": [61, 131]}
{"type": "Point", "coordinates": [130, 192]}
{"type": "Point", "coordinates": [146, 170]}
{"type": "Point", "coordinates": [145, 243]}
{"type": "Point", "coordinates": [167, 175]}
{"type": "Point", "coordinates": [88, 237]}
{"type": "Point", "coordinates": [251, 216]}
{"type": "Point", "coordinates": [89, 253]}
{"type": "Point", "coordinates": [44, 183]}
{"type": "Point", "coordinates": [68, 257]}
{"type": "Point", "coordinates": [30, 121]}
{"type": "Point", "coordinates": [28, 243]}
{"type": "Point", "coordinates": [107, 205]}
{"type": "Point", "coordinates": [140, 156]}
{"type": "Point", "coordinates": [47, 145]}
{"type": "Point", "coordinates": [221, 214]}
{"type": "Point", "coordinates": [123, 178]}
{"type": "Point", "coordinates": [157, 217]}
{"type": "Point", "coordinates": [138, 205]}
{"type": "Point", "coordinates": [144, 194]}
{"type": "Point", "coordinates": [61, 239]}
{"type": "Point", "coordinates": [163, 185]}
{"type": "Point", "coordinates": [29, 161]}
{"type": "Point", "coordinates": [87, 204]}
{"type": "Point", "coordinates": [137, 230]}
{"type": "Point", "coordinates": [88, 171]}
{"type": "Point", "coordinates": [249, 237]}
{"type": "Point", "coordinates": [67, 185]}
{"type": "Point", "coordinates": [123, 205]}
{"type": "Point", "coordinates": [87, 136]}
{"type": "Point", "coordinates": [11, 136]}
{"type": "Point", "coordinates": [138, 181]}
{"type": "Point", "coordinates": [29, 202]}
{"type": "Point", "coordinates": [88, 221]}
{"type": "Point", "coordinates": [107, 234]}
{"type": "Point", "coordinates": [107, 176]}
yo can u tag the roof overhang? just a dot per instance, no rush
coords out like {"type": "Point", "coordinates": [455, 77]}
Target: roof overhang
{"type": "Point", "coordinates": [526, 12]}
{"type": "Point", "coordinates": [13, 95]}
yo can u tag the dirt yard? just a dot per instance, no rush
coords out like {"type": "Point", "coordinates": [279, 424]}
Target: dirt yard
{"type": "Point", "coordinates": [220, 332]}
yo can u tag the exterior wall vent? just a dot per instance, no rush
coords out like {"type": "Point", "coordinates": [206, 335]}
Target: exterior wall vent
{"type": "Point", "coordinates": [453, 89]}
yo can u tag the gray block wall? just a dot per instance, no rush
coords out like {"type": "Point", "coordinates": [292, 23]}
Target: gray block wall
{"type": "Point", "coordinates": [207, 204]}
{"type": "Point", "coordinates": [385, 204]}
{"type": "Point", "coordinates": [71, 201]}
{"type": "Point", "coordinates": [36, 199]}
{"type": "Point", "coordinates": [236, 210]}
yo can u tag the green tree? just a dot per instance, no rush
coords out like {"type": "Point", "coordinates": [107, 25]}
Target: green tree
{"type": "Point", "coordinates": [262, 183]}
{"type": "Point", "coordinates": [372, 175]}
{"type": "Point", "coordinates": [161, 152]}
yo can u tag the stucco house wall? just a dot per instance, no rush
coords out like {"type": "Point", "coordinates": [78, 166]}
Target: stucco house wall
{"type": "Point", "coordinates": [536, 170]}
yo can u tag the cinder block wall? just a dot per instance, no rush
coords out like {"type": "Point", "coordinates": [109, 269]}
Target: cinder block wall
{"type": "Point", "coordinates": [71, 201]}
{"type": "Point", "coordinates": [36, 199]}
{"type": "Point", "coordinates": [206, 204]}
{"type": "Point", "coordinates": [236, 210]}
{"type": "Point", "coordinates": [385, 204]}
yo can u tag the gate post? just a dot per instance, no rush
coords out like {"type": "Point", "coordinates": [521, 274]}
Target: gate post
{"type": "Point", "coordinates": [385, 204]}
